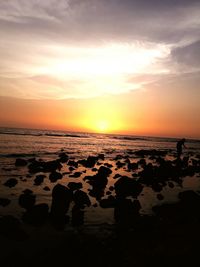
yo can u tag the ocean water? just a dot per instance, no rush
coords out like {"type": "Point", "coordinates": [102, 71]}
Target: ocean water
{"type": "Point", "coordinates": [46, 145]}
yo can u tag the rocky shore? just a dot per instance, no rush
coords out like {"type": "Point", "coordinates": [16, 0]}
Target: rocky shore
{"type": "Point", "coordinates": [49, 234]}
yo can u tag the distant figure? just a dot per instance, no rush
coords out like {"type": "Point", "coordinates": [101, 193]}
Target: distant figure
{"type": "Point", "coordinates": [179, 145]}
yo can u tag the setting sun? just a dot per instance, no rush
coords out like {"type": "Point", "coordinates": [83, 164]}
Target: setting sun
{"type": "Point", "coordinates": [102, 126]}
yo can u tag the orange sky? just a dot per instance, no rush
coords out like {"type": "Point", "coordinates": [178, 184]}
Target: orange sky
{"type": "Point", "coordinates": [129, 67]}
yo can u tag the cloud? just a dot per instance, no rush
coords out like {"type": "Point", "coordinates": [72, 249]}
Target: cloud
{"type": "Point", "coordinates": [75, 48]}
{"type": "Point", "coordinates": [188, 56]}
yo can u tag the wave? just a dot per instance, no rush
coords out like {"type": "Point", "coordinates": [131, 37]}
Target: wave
{"type": "Point", "coordinates": [129, 138]}
{"type": "Point", "coordinates": [45, 134]}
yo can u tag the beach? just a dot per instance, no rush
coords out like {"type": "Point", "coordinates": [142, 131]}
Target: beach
{"type": "Point", "coordinates": [96, 199]}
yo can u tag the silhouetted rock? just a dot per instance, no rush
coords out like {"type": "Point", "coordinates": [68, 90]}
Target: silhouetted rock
{"type": "Point", "coordinates": [63, 157]}
{"type": "Point", "coordinates": [27, 201]}
{"type": "Point", "coordinates": [101, 156]}
{"type": "Point", "coordinates": [42, 166]}
{"type": "Point", "coordinates": [74, 186]}
{"type": "Point", "coordinates": [132, 166]}
{"type": "Point", "coordinates": [89, 162]}
{"type": "Point", "coordinates": [55, 176]}
{"type": "Point", "coordinates": [20, 162]}
{"type": "Point", "coordinates": [104, 171]}
{"type": "Point", "coordinates": [108, 165]}
{"type": "Point", "coordinates": [81, 199]}
{"type": "Point", "coordinates": [120, 164]}
{"type": "Point", "coordinates": [11, 182]}
{"type": "Point", "coordinates": [10, 227]}
{"type": "Point", "coordinates": [27, 191]}
{"type": "Point", "coordinates": [75, 175]}
{"type": "Point", "coordinates": [109, 202]}
{"type": "Point", "coordinates": [141, 162]}
{"type": "Point", "coordinates": [39, 179]}
{"type": "Point", "coordinates": [160, 197]}
{"type": "Point", "coordinates": [99, 182]}
{"type": "Point", "coordinates": [170, 184]}
{"type": "Point", "coordinates": [4, 202]}
{"type": "Point", "coordinates": [46, 188]}
{"type": "Point", "coordinates": [37, 215]}
{"type": "Point", "coordinates": [126, 186]}
{"type": "Point", "coordinates": [72, 163]}
{"type": "Point", "coordinates": [117, 175]}
{"type": "Point", "coordinates": [111, 188]}
{"type": "Point", "coordinates": [61, 198]}
{"type": "Point", "coordinates": [150, 152]}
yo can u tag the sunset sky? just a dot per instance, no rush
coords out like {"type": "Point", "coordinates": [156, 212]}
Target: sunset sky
{"type": "Point", "coordinates": [113, 66]}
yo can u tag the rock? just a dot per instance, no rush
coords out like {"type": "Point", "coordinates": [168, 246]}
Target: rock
{"type": "Point", "coordinates": [120, 164]}
{"type": "Point", "coordinates": [104, 171]}
{"type": "Point", "coordinates": [37, 215]}
{"type": "Point", "coordinates": [20, 162]}
{"type": "Point", "coordinates": [39, 179]}
{"type": "Point", "coordinates": [42, 166]}
{"type": "Point", "coordinates": [72, 163]}
{"type": "Point", "coordinates": [126, 186]}
{"type": "Point", "coordinates": [89, 162]}
{"type": "Point", "coordinates": [63, 157]}
{"type": "Point", "coordinates": [10, 227]}
{"type": "Point", "coordinates": [170, 184]}
{"type": "Point", "coordinates": [117, 175]}
{"type": "Point", "coordinates": [81, 199]}
{"type": "Point", "coordinates": [11, 182]}
{"type": "Point", "coordinates": [108, 165]}
{"type": "Point", "coordinates": [4, 202]}
{"type": "Point", "coordinates": [75, 175]}
{"type": "Point", "coordinates": [61, 198]}
{"type": "Point", "coordinates": [27, 191]}
{"type": "Point", "coordinates": [46, 188]}
{"type": "Point", "coordinates": [71, 169]}
{"type": "Point", "coordinates": [27, 200]}
{"type": "Point", "coordinates": [74, 186]}
{"type": "Point", "coordinates": [101, 156]}
{"type": "Point", "coordinates": [160, 197]}
{"type": "Point", "coordinates": [132, 166]}
{"type": "Point", "coordinates": [109, 202]}
{"type": "Point", "coordinates": [54, 176]}
{"type": "Point", "coordinates": [150, 152]}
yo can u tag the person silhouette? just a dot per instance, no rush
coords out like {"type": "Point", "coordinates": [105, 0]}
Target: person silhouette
{"type": "Point", "coordinates": [180, 144]}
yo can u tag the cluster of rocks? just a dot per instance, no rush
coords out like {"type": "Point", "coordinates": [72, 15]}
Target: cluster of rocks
{"type": "Point", "coordinates": [155, 174]}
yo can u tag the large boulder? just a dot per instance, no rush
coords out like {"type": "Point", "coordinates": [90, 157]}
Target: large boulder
{"type": "Point", "coordinates": [126, 186]}
{"type": "Point", "coordinates": [61, 198]}
{"type": "Point", "coordinates": [81, 199]}
{"type": "Point", "coordinates": [55, 176]}
{"type": "Point", "coordinates": [20, 162]}
{"type": "Point", "coordinates": [27, 200]}
{"type": "Point", "coordinates": [11, 182]}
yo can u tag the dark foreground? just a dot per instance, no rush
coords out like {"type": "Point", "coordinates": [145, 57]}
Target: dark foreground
{"type": "Point", "coordinates": [55, 235]}
{"type": "Point", "coordinates": [149, 245]}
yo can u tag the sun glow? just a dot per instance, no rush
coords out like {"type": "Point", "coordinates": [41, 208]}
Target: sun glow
{"type": "Point", "coordinates": [102, 126]}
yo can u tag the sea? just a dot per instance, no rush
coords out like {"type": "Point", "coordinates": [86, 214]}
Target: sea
{"type": "Point", "coordinates": [48, 144]}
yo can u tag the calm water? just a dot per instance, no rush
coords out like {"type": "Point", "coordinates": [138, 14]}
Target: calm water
{"type": "Point", "coordinates": [46, 145]}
